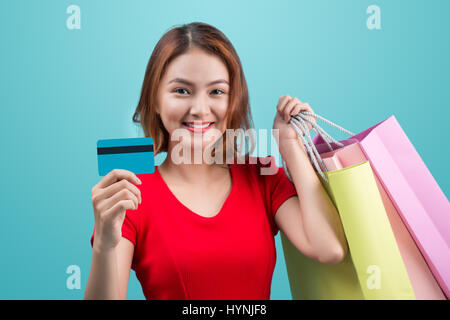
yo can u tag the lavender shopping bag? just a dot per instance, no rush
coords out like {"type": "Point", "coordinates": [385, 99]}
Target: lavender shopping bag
{"type": "Point", "coordinates": [417, 197]}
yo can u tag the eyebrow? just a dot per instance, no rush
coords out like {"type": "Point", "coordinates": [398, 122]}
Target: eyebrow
{"type": "Point", "coordinates": [184, 81]}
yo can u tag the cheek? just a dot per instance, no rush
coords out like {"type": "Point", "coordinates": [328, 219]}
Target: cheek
{"type": "Point", "coordinates": [173, 109]}
{"type": "Point", "coordinates": [221, 109]}
{"type": "Point", "coordinates": [170, 120]}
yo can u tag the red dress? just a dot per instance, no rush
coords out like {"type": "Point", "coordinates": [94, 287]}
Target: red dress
{"type": "Point", "coordinates": [182, 255]}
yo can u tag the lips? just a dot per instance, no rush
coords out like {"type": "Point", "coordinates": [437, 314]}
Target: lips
{"type": "Point", "coordinates": [197, 126]}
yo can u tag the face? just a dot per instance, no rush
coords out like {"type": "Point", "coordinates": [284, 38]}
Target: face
{"type": "Point", "coordinates": [193, 96]}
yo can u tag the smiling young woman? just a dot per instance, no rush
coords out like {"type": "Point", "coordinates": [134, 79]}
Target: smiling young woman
{"type": "Point", "coordinates": [205, 231]}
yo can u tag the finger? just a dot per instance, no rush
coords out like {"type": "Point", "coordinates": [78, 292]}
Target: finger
{"type": "Point", "coordinates": [123, 194]}
{"type": "Point", "coordinates": [282, 103]}
{"type": "Point", "coordinates": [116, 175]}
{"type": "Point", "coordinates": [116, 187]}
{"type": "Point", "coordinates": [307, 107]}
{"type": "Point", "coordinates": [283, 98]}
{"type": "Point", "coordinates": [289, 107]}
{"type": "Point", "coordinates": [296, 110]}
{"type": "Point", "coordinates": [118, 209]}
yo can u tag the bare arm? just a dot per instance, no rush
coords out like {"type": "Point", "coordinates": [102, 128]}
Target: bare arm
{"type": "Point", "coordinates": [310, 220]}
{"type": "Point", "coordinates": [314, 211]}
{"type": "Point", "coordinates": [110, 272]}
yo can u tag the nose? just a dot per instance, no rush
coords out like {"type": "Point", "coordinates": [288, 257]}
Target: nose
{"type": "Point", "coordinates": [200, 107]}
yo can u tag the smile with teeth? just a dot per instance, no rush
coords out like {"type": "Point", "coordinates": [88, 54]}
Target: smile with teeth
{"type": "Point", "coordinates": [197, 127]}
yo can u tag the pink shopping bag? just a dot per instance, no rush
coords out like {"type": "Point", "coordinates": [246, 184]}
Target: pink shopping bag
{"type": "Point", "coordinates": [416, 196]}
{"type": "Point", "coordinates": [424, 284]}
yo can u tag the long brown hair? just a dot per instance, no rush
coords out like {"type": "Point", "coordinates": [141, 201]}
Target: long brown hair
{"type": "Point", "coordinates": [173, 43]}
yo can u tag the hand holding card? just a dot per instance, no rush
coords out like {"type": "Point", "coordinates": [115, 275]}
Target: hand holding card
{"type": "Point", "coordinates": [111, 197]}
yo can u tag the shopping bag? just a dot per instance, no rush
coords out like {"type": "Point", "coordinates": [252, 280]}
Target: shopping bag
{"type": "Point", "coordinates": [374, 268]}
{"type": "Point", "coordinates": [416, 196]}
{"type": "Point", "coordinates": [424, 284]}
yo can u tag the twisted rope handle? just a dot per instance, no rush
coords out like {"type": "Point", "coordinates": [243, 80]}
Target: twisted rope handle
{"type": "Point", "coordinates": [299, 123]}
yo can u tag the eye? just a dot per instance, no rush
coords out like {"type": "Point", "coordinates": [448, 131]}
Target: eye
{"type": "Point", "coordinates": [177, 90]}
{"type": "Point", "coordinates": [218, 90]}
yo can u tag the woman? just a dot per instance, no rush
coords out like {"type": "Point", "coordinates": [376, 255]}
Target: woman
{"type": "Point", "coordinates": [196, 230]}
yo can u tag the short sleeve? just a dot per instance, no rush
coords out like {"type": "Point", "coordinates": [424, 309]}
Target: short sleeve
{"type": "Point", "coordinates": [278, 188]}
{"type": "Point", "coordinates": [129, 226]}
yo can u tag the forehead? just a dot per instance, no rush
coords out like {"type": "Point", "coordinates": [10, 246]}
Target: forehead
{"type": "Point", "coordinates": [197, 66]}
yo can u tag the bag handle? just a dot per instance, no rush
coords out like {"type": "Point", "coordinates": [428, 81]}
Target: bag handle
{"type": "Point", "coordinates": [299, 123]}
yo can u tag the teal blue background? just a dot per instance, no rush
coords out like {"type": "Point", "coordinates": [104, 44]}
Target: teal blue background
{"type": "Point", "coordinates": [62, 90]}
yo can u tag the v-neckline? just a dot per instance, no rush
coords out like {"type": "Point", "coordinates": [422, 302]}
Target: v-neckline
{"type": "Point", "coordinates": [192, 213]}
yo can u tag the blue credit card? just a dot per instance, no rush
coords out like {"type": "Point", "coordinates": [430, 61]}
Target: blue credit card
{"type": "Point", "coordinates": [133, 154]}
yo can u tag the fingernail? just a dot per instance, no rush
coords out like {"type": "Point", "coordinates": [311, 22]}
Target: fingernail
{"type": "Point", "coordinates": [138, 181]}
